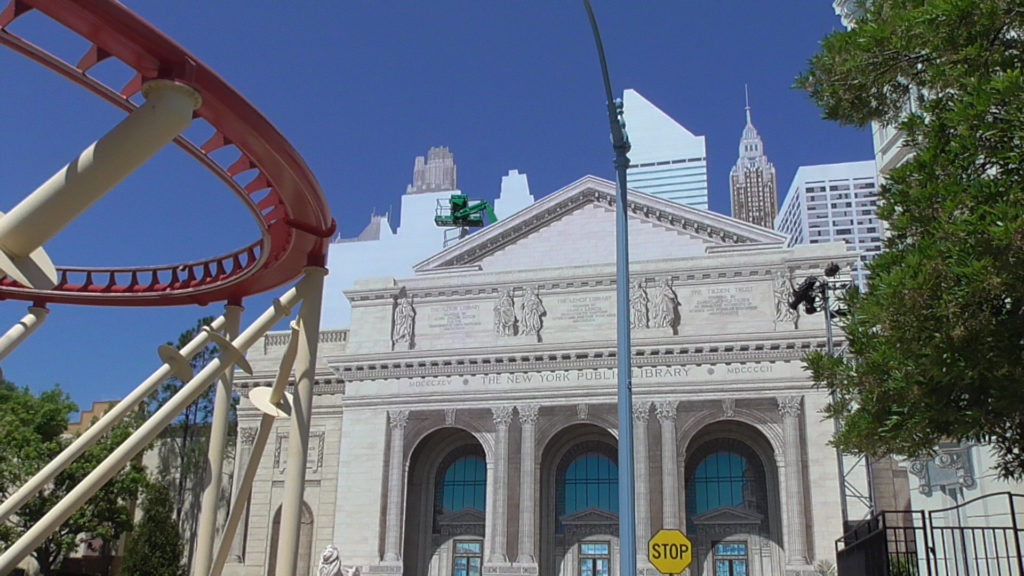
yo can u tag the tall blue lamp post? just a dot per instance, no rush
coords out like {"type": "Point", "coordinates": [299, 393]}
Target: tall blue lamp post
{"type": "Point", "coordinates": [620, 143]}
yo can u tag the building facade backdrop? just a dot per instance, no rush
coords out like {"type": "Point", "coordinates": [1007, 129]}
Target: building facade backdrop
{"type": "Point", "coordinates": [465, 423]}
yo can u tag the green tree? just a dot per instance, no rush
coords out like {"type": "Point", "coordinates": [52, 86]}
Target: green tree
{"type": "Point", "coordinates": [33, 432]}
{"type": "Point", "coordinates": [154, 546]}
{"type": "Point", "coordinates": [937, 341]}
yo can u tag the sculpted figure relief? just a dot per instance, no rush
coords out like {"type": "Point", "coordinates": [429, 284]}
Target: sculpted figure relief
{"type": "Point", "coordinates": [533, 310]}
{"type": "Point", "coordinates": [638, 306]}
{"type": "Point", "coordinates": [664, 313]}
{"type": "Point", "coordinates": [505, 314]}
{"type": "Point", "coordinates": [783, 290]}
{"type": "Point", "coordinates": [405, 316]}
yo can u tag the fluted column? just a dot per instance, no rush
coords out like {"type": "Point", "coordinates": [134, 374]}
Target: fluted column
{"type": "Point", "coordinates": [527, 489]}
{"type": "Point", "coordinates": [246, 438]}
{"type": "Point", "coordinates": [499, 516]}
{"type": "Point", "coordinates": [796, 532]}
{"type": "Point", "coordinates": [397, 419]}
{"type": "Point", "coordinates": [642, 456]}
{"type": "Point", "coordinates": [666, 411]}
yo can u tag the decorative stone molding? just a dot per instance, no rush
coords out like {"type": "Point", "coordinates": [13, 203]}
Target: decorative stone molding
{"type": "Point", "coordinates": [728, 407]}
{"type": "Point", "coordinates": [502, 416]}
{"type": "Point", "coordinates": [397, 419]}
{"type": "Point", "coordinates": [247, 434]}
{"type": "Point", "coordinates": [782, 288]}
{"type": "Point", "coordinates": [666, 410]}
{"type": "Point", "coordinates": [531, 318]}
{"type": "Point", "coordinates": [582, 411]}
{"type": "Point", "coordinates": [505, 314]}
{"type": "Point", "coordinates": [528, 413]}
{"type": "Point", "coordinates": [638, 306]}
{"type": "Point", "coordinates": [789, 406]}
{"type": "Point", "coordinates": [641, 411]}
{"type": "Point", "coordinates": [449, 416]}
{"type": "Point", "coordinates": [404, 323]}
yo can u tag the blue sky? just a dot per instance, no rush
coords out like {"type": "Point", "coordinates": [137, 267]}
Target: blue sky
{"type": "Point", "coordinates": [360, 89]}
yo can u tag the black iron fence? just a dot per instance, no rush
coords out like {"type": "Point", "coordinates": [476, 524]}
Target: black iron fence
{"type": "Point", "coordinates": [980, 537]}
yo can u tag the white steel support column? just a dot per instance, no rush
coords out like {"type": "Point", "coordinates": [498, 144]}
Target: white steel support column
{"type": "Point", "coordinates": [396, 482]}
{"type": "Point", "coordinates": [527, 487]}
{"type": "Point", "coordinates": [796, 532]}
{"type": "Point", "coordinates": [642, 456]}
{"type": "Point", "coordinates": [498, 526]}
{"type": "Point", "coordinates": [298, 436]}
{"type": "Point", "coordinates": [22, 330]}
{"type": "Point", "coordinates": [207, 533]}
{"type": "Point", "coordinates": [146, 433]}
{"type": "Point", "coordinates": [669, 474]}
{"type": "Point", "coordinates": [68, 193]}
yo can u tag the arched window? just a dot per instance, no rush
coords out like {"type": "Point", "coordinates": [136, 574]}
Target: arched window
{"type": "Point", "coordinates": [726, 473]}
{"type": "Point", "coordinates": [461, 481]}
{"type": "Point", "coordinates": [588, 478]}
{"type": "Point", "coordinates": [719, 481]}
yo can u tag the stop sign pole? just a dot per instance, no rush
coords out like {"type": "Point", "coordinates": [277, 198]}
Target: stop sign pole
{"type": "Point", "coordinates": [620, 143]}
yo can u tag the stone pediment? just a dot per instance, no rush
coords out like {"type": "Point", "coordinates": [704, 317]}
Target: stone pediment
{"type": "Point", "coordinates": [728, 515]}
{"type": "Point", "coordinates": [575, 226]}
{"type": "Point", "coordinates": [590, 516]}
{"type": "Point", "coordinates": [464, 516]}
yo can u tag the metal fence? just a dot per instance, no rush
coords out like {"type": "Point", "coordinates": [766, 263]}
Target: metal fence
{"type": "Point", "coordinates": [979, 537]}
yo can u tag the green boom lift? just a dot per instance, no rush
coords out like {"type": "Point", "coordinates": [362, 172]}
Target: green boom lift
{"type": "Point", "coordinates": [460, 214]}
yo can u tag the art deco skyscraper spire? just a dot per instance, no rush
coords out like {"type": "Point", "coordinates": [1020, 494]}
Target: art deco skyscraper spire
{"type": "Point", "coordinates": [752, 180]}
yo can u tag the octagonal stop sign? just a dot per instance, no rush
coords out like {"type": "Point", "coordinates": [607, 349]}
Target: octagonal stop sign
{"type": "Point", "coordinates": [670, 551]}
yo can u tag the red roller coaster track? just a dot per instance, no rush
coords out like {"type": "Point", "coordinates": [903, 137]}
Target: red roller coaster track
{"type": "Point", "coordinates": [284, 196]}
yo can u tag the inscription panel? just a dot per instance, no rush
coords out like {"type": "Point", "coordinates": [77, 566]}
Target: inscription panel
{"type": "Point", "coordinates": [718, 301]}
{"type": "Point", "coordinates": [584, 309]}
{"type": "Point", "coordinates": [454, 317]}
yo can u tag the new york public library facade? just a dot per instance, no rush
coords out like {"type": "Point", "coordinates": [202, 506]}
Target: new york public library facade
{"type": "Point", "coordinates": [465, 423]}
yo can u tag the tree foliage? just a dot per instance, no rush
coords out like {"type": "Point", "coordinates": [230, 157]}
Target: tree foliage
{"type": "Point", "coordinates": [154, 546]}
{"type": "Point", "coordinates": [937, 341]}
{"type": "Point", "coordinates": [33, 430]}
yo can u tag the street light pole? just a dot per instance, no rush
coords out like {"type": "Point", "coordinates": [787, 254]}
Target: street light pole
{"type": "Point", "coordinates": [627, 496]}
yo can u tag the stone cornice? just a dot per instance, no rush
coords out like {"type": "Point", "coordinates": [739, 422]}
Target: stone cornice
{"type": "Point", "coordinates": [443, 363]}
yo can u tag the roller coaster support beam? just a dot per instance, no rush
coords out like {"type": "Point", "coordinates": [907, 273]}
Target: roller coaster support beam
{"type": "Point", "coordinates": [22, 330]}
{"type": "Point", "coordinates": [298, 438]}
{"type": "Point", "coordinates": [277, 405]}
{"type": "Point", "coordinates": [68, 193]}
{"type": "Point", "coordinates": [110, 419]}
{"type": "Point", "coordinates": [149, 431]}
{"type": "Point", "coordinates": [207, 536]}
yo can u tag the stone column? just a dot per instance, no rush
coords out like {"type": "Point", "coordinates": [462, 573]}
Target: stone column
{"type": "Point", "coordinates": [246, 437]}
{"type": "Point", "coordinates": [666, 411]}
{"type": "Point", "coordinates": [396, 466]}
{"type": "Point", "coordinates": [527, 488]}
{"type": "Point", "coordinates": [796, 532]}
{"type": "Point", "coordinates": [499, 517]}
{"type": "Point", "coordinates": [641, 457]}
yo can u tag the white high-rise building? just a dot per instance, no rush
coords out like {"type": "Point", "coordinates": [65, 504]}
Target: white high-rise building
{"type": "Point", "coordinates": [832, 203]}
{"type": "Point", "coordinates": [666, 159]}
{"type": "Point", "coordinates": [753, 186]}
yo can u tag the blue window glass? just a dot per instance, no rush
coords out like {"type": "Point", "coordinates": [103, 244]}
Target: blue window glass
{"type": "Point", "coordinates": [590, 481]}
{"type": "Point", "coordinates": [720, 480]}
{"type": "Point", "coordinates": [465, 484]}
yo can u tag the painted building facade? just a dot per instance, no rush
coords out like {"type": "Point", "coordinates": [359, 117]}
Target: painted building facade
{"type": "Point", "coordinates": [465, 422]}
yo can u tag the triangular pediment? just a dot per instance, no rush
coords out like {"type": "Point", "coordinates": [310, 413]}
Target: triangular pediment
{"type": "Point", "coordinates": [464, 516]}
{"type": "Point", "coordinates": [590, 516]}
{"type": "Point", "coordinates": [728, 515]}
{"type": "Point", "coordinates": [575, 226]}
